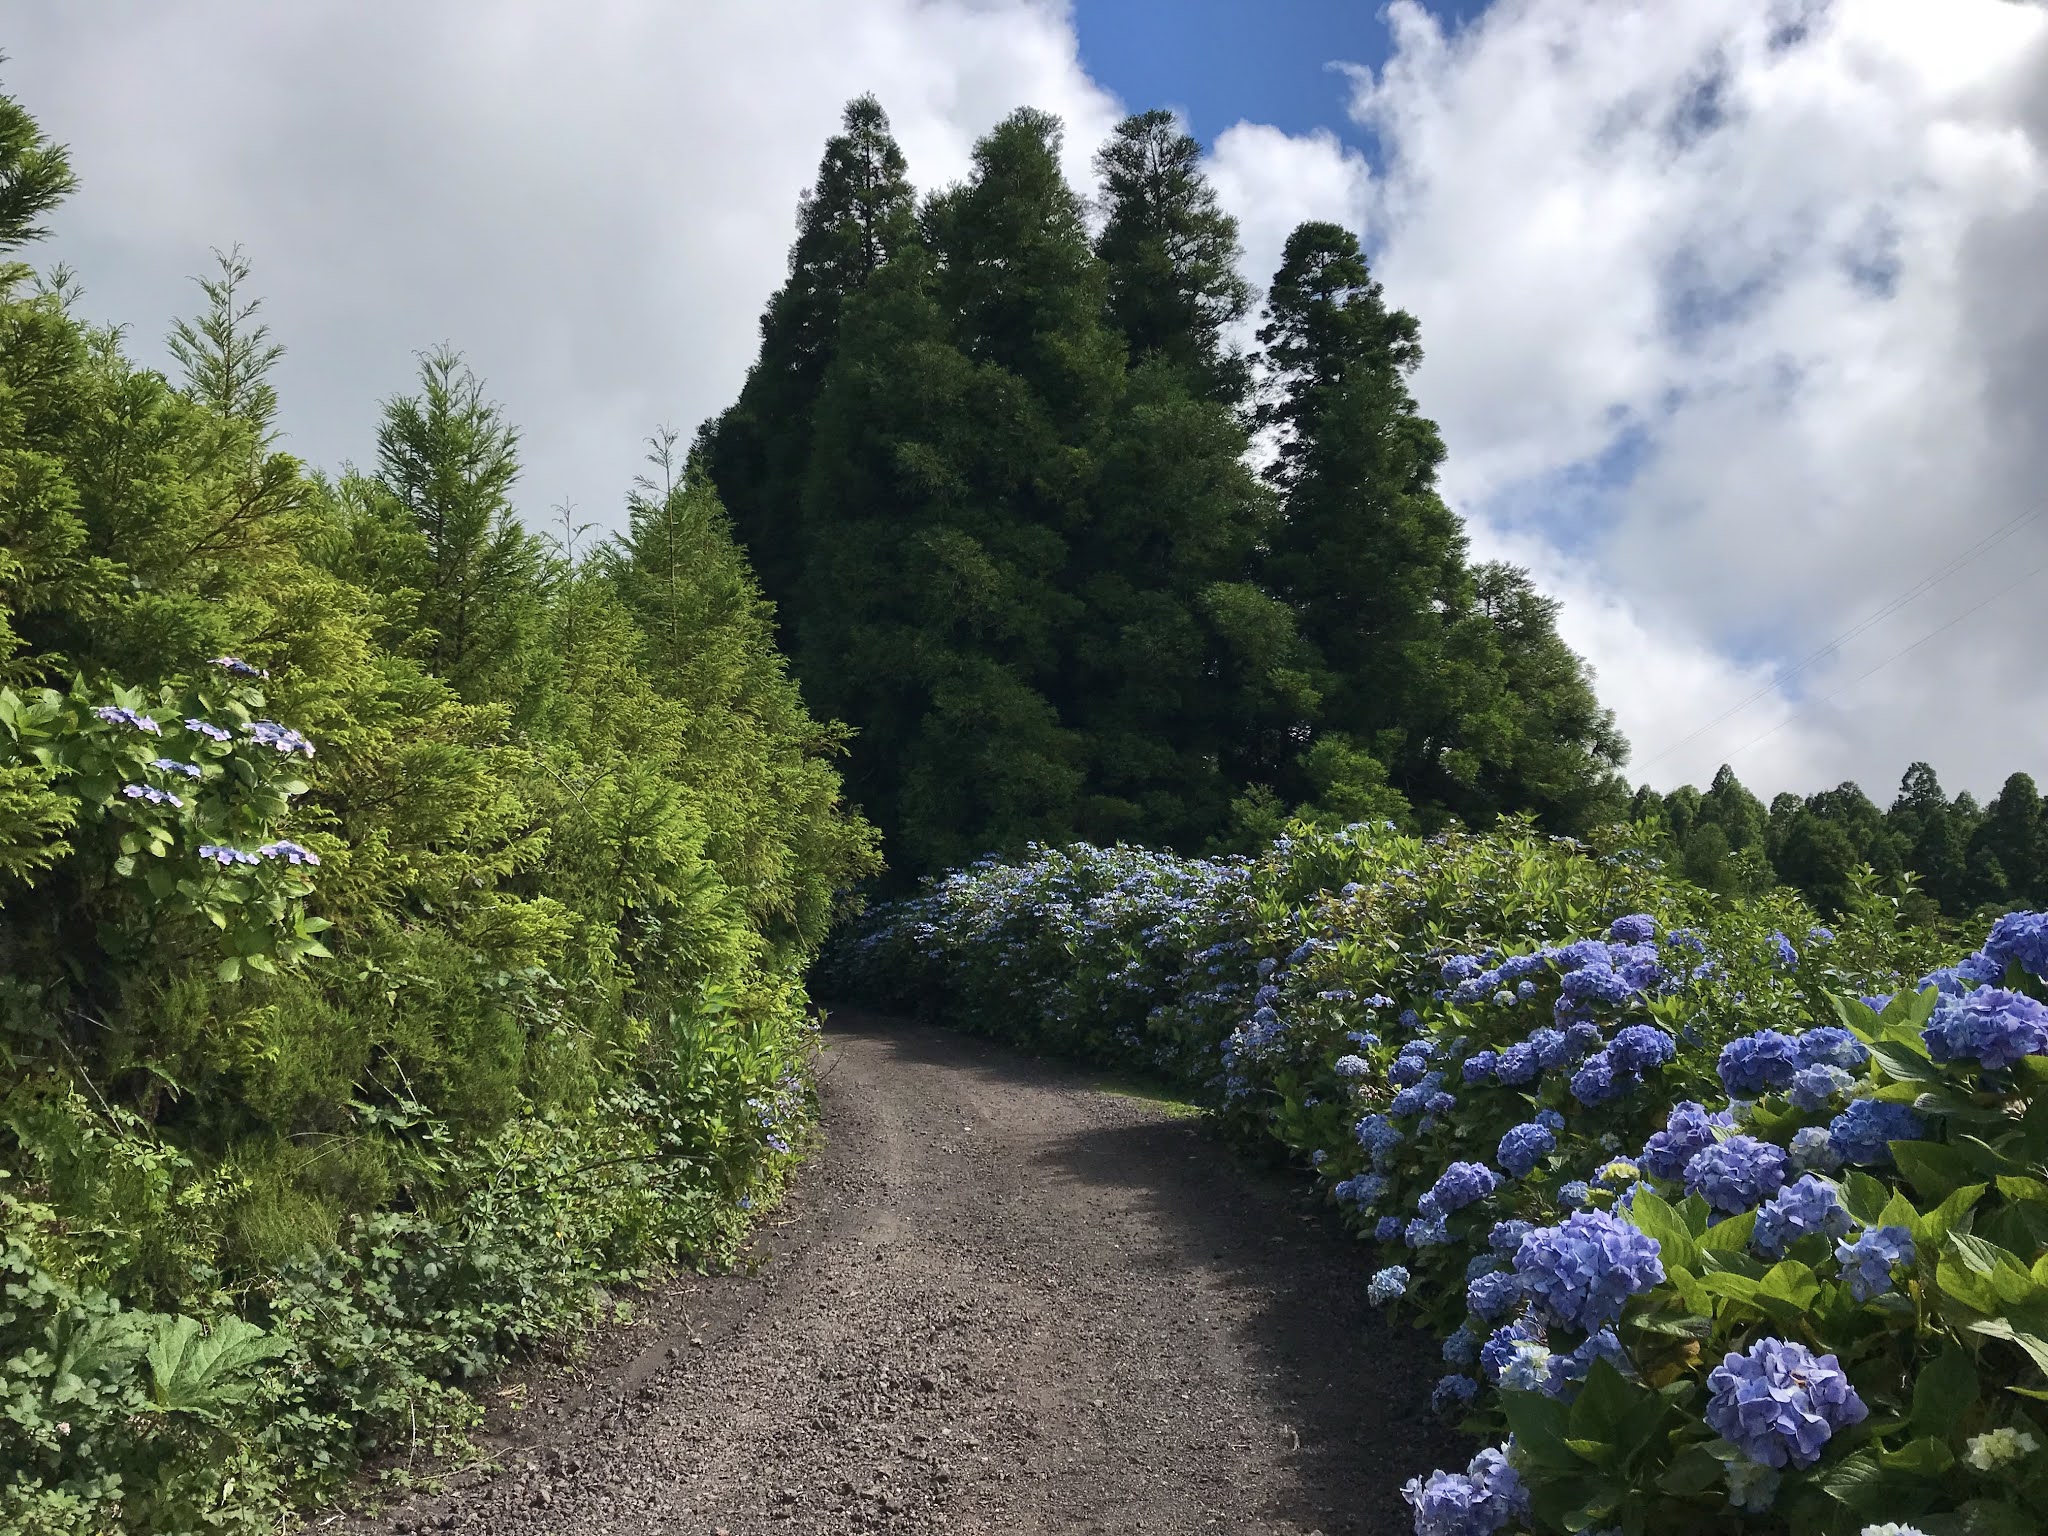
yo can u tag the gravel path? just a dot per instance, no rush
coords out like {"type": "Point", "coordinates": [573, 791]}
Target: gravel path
{"type": "Point", "coordinates": [1004, 1301]}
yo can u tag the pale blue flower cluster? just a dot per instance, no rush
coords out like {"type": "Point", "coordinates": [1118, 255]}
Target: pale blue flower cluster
{"type": "Point", "coordinates": [1779, 1403]}
{"type": "Point", "coordinates": [1988, 1025]}
{"type": "Point", "coordinates": [115, 714]}
{"type": "Point", "coordinates": [1488, 1496]}
{"type": "Point", "coordinates": [1386, 1284]}
{"type": "Point", "coordinates": [1867, 1263]}
{"type": "Point", "coordinates": [1733, 1175]}
{"type": "Point", "coordinates": [1804, 1208]}
{"type": "Point", "coordinates": [1580, 1272]}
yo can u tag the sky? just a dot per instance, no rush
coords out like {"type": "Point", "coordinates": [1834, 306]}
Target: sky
{"type": "Point", "coordinates": [1732, 309]}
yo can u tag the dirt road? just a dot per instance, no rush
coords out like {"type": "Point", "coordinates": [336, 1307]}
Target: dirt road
{"type": "Point", "coordinates": [1005, 1301]}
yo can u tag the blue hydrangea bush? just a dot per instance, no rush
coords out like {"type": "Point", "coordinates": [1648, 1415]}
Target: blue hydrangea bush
{"type": "Point", "coordinates": [1728, 1220]}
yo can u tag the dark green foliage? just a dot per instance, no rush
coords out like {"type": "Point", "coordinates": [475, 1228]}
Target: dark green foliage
{"type": "Point", "coordinates": [1171, 254]}
{"type": "Point", "coordinates": [1029, 561]}
{"type": "Point", "coordinates": [288, 1149]}
{"type": "Point", "coordinates": [1453, 680]}
{"type": "Point", "coordinates": [1958, 861]}
{"type": "Point", "coordinates": [849, 225]}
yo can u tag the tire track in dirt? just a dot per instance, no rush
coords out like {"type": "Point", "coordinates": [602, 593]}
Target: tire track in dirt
{"type": "Point", "coordinates": [1000, 1301]}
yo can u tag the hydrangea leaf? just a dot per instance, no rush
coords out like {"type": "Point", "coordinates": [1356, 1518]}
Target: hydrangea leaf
{"type": "Point", "coordinates": [1868, 1487]}
{"type": "Point", "coordinates": [1863, 1197]}
{"type": "Point", "coordinates": [1932, 1230]}
{"type": "Point", "coordinates": [1905, 1062]}
{"type": "Point", "coordinates": [1944, 1391]}
{"type": "Point", "coordinates": [1730, 1236]}
{"type": "Point", "coordinates": [1538, 1423]}
{"type": "Point", "coordinates": [1653, 1216]}
{"type": "Point", "coordinates": [1926, 1456]}
{"type": "Point", "coordinates": [1934, 1171]}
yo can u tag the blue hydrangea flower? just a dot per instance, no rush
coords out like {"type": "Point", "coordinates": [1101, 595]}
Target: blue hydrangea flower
{"type": "Point", "coordinates": [1979, 969]}
{"type": "Point", "coordinates": [151, 795]}
{"type": "Point", "coordinates": [1787, 955]}
{"type": "Point", "coordinates": [1580, 1272]}
{"type": "Point", "coordinates": [1352, 1067]}
{"type": "Point", "coordinates": [1636, 928]}
{"type": "Point", "coordinates": [1757, 1063]}
{"type": "Point", "coordinates": [1868, 1261]}
{"type": "Point", "coordinates": [1639, 1047]}
{"type": "Point", "coordinates": [2021, 936]}
{"type": "Point", "coordinates": [1379, 1136]}
{"type": "Point", "coordinates": [1415, 1098]}
{"type": "Point", "coordinates": [238, 667]}
{"type": "Point", "coordinates": [1688, 938]}
{"type": "Point", "coordinates": [1525, 989]}
{"type": "Point", "coordinates": [1477, 1069]}
{"type": "Point", "coordinates": [115, 714]}
{"type": "Point", "coordinates": [1426, 1232]}
{"type": "Point", "coordinates": [1516, 1065]}
{"type": "Point", "coordinates": [1486, 1497]}
{"type": "Point", "coordinates": [1877, 1002]}
{"type": "Point", "coordinates": [1831, 1046]}
{"type": "Point", "coordinates": [1735, 1174]}
{"type": "Point", "coordinates": [1410, 1019]}
{"type": "Point", "coordinates": [1990, 1026]}
{"type": "Point", "coordinates": [1507, 1236]}
{"type": "Point", "coordinates": [1530, 1367]}
{"type": "Point", "coordinates": [1461, 968]}
{"type": "Point", "coordinates": [1574, 1194]}
{"type": "Point", "coordinates": [1820, 934]}
{"type": "Point", "coordinates": [1550, 1047]}
{"type": "Point", "coordinates": [1462, 1183]}
{"type": "Point", "coordinates": [1808, 1206]}
{"type": "Point", "coordinates": [1461, 1346]}
{"type": "Point", "coordinates": [1816, 1087]}
{"type": "Point", "coordinates": [1813, 1150]}
{"type": "Point", "coordinates": [1492, 1297]}
{"type": "Point", "coordinates": [1597, 984]}
{"type": "Point", "coordinates": [1582, 953]}
{"type": "Point", "coordinates": [1501, 1344]}
{"type": "Point", "coordinates": [1480, 1264]}
{"type": "Point", "coordinates": [1688, 1130]}
{"type": "Point", "coordinates": [1583, 1039]}
{"type": "Point", "coordinates": [1523, 1147]}
{"type": "Point", "coordinates": [1388, 1228]}
{"type": "Point", "coordinates": [1598, 1081]}
{"type": "Point", "coordinates": [1862, 1133]}
{"type": "Point", "coordinates": [227, 858]}
{"type": "Point", "coordinates": [1453, 1393]}
{"type": "Point", "coordinates": [172, 765]}
{"type": "Point", "coordinates": [1778, 1403]}
{"type": "Point", "coordinates": [268, 733]}
{"type": "Point", "coordinates": [1386, 1284]}
{"type": "Point", "coordinates": [290, 852]}
{"type": "Point", "coordinates": [1599, 1345]}
{"type": "Point", "coordinates": [1503, 998]}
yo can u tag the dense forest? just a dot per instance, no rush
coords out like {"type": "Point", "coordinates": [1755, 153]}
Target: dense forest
{"type": "Point", "coordinates": [995, 467]}
{"type": "Point", "coordinates": [1077, 562]}
{"type": "Point", "coordinates": [403, 921]}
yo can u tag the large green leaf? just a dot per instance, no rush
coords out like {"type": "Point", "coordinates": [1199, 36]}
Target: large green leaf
{"type": "Point", "coordinates": [201, 1372]}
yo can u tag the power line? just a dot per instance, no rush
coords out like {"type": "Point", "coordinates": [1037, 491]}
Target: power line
{"type": "Point", "coordinates": [1951, 624]}
{"type": "Point", "coordinates": [1919, 589]}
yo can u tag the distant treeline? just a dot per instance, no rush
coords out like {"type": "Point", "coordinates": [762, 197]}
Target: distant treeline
{"type": "Point", "coordinates": [996, 471]}
{"type": "Point", "coordinates": [1966, 858]}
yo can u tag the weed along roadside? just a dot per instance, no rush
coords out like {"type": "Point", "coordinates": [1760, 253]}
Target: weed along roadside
{"type": "Point", "coordinates": [1003, 1297]}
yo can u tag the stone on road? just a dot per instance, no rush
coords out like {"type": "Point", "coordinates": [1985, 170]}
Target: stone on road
{"type": "Point", "coordinates": [1001, 1300]}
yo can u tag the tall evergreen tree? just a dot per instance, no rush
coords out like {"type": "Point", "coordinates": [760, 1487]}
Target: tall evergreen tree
{"type": "Point", "coordinates": [853, 220]}
{"type": "Point", "coordinates": [1171, 253]}
{"type": "Point", "coordinates": [435, 532]}
{"type": "Point", "coordinates": [1455, 681]}
{"type": "Point", "coordinates": [2006, 847]}
{"type": "Point", "coordinates": [227, 353]}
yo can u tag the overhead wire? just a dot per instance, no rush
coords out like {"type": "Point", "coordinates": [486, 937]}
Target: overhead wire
{"type": "Point", "coordinates": [1919, 589]}
{"type": "Point", "coordinates": [1939, 629]}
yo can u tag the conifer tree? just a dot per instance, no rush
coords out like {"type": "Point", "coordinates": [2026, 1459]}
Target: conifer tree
{"type": "Point", "coordinates": [227, 353]}
{"type": "Point", "coordinates": [1172, 254]}
{"type": "Point", "coordinates": [437, 527]}
{"type": "Point", "coordinates": [857, 216]}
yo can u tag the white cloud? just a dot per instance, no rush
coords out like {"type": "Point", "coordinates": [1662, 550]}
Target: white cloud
{"type": "Point", "coordinates": [1735, 331]}
{"type": "Point", "coordinates": [1732, 338]}
{"type": "Point", "coordinates": [592, 201]}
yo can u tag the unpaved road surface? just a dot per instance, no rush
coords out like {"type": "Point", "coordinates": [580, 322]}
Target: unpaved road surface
{"type": "Point", "coordinates": [1001, 1301]}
